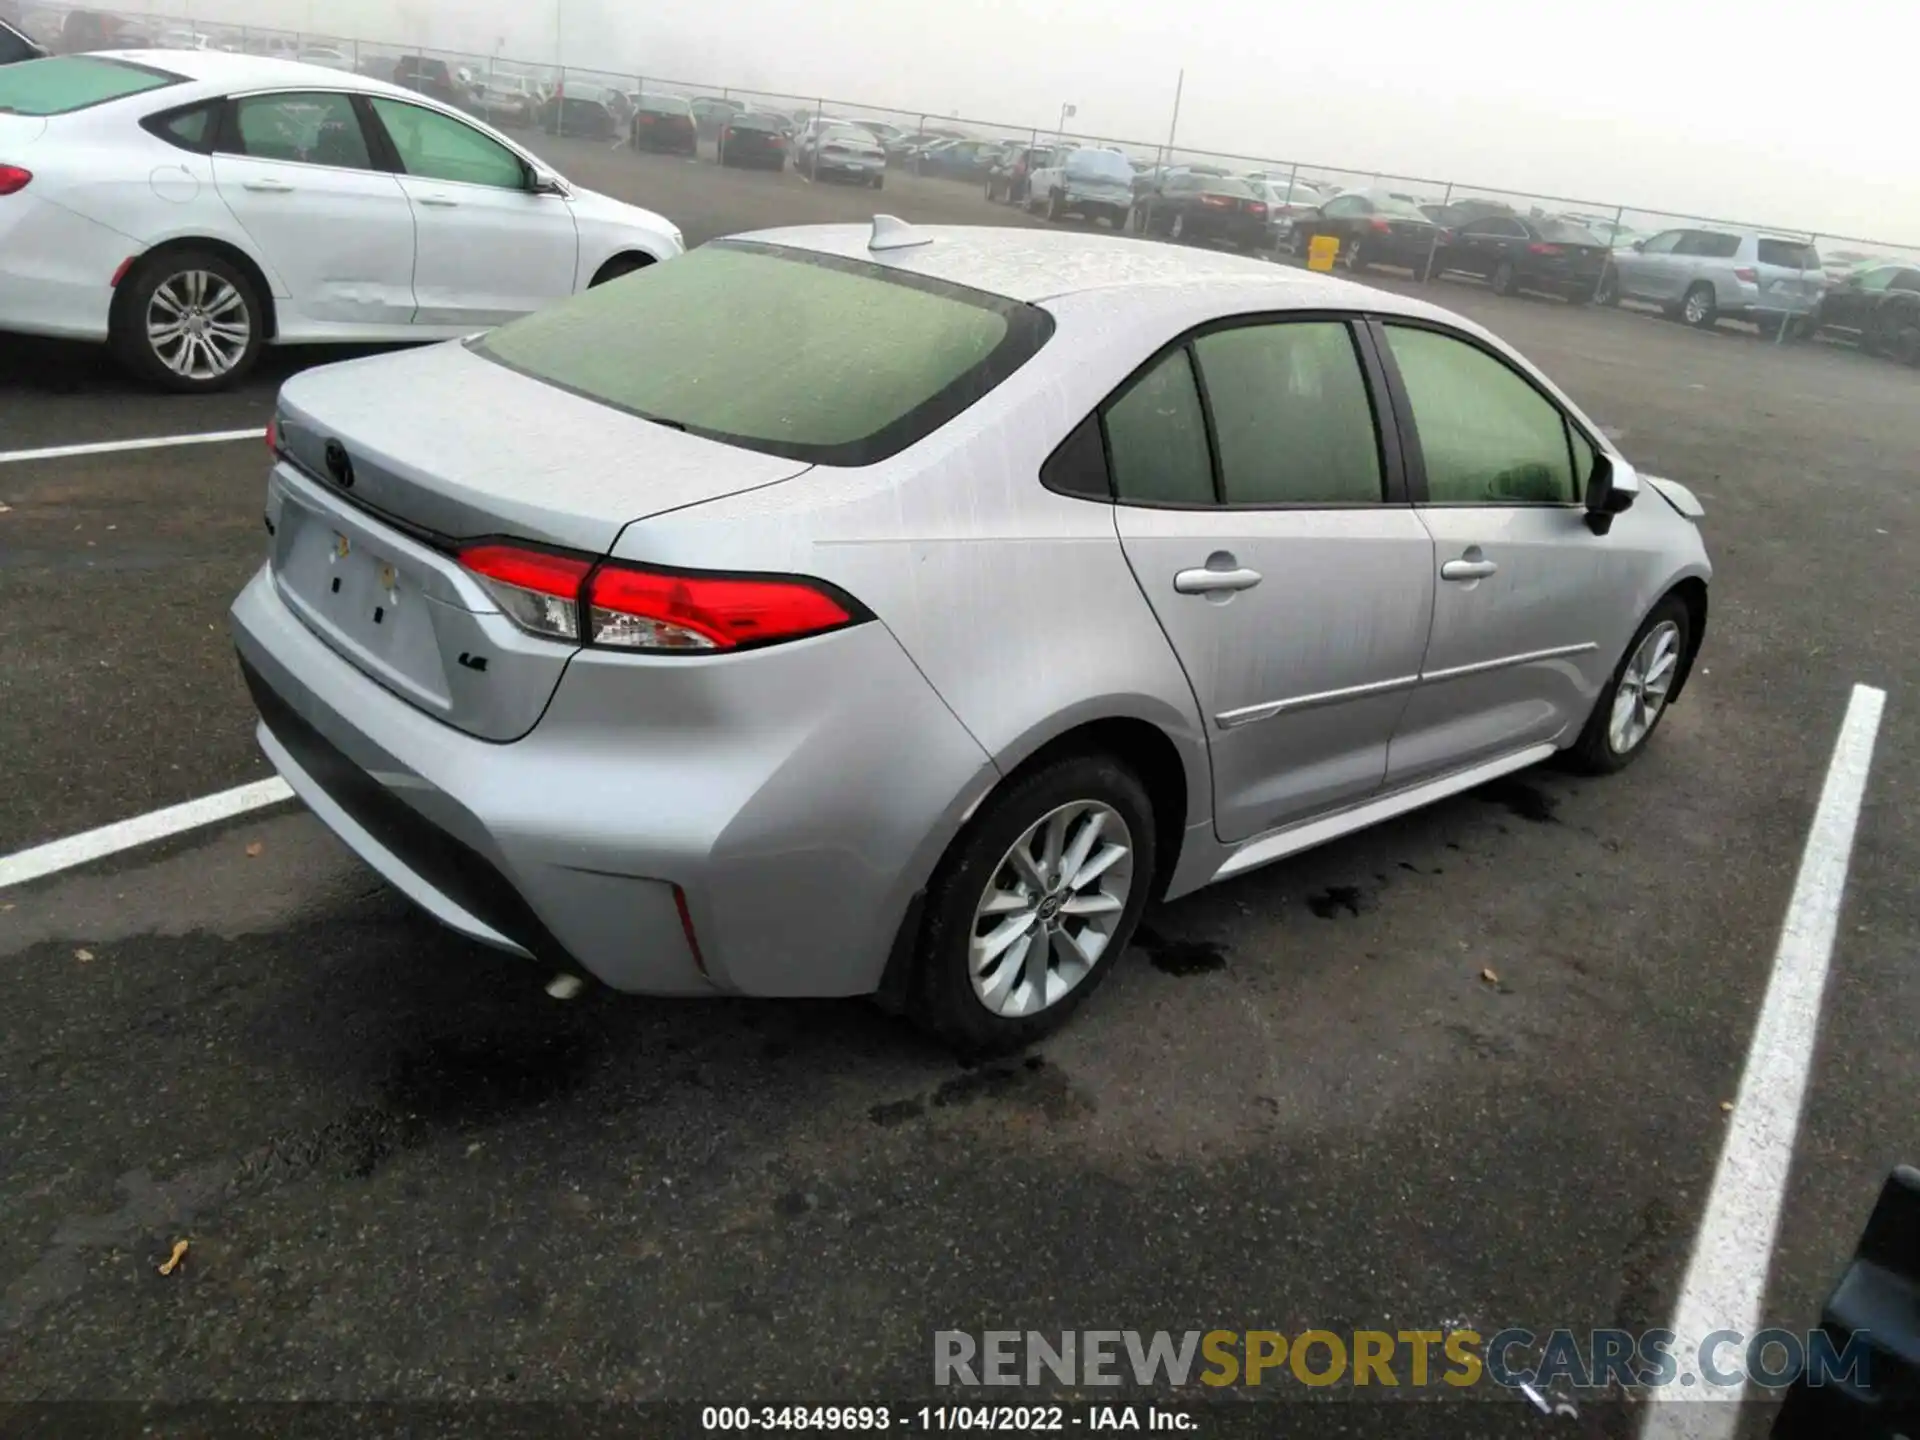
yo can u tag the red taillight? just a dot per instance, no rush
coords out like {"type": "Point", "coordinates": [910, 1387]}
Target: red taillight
{"type": "Point", "coordinates": [1383, 226]}
{"type": "Point", "coordinates": [537, 590]}
{"type": "Point", "coordinates": [1746, 274]}
{"type": "Point", "coordinates": [635, 609]}
{"type": "Point", "coordinates": [1538, 249]}
{"type": "Point", "coordinates": [629, 608]}
{"type": "Point", "coordinates": [120, 273]}
{"type": "Point", "coordinates": [1254, 207]}
{"type": "Point", "coordinates": [1219, 202]}
{"type": "Point", "coordinates": [646, 119]}
{"type": "Point", "coordinates": [13, 179]}
{"type": "Point", "coordinates": [273, 437]}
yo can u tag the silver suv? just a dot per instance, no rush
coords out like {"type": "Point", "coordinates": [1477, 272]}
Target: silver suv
{"type": "Point", "coordinates": [1702, 276]}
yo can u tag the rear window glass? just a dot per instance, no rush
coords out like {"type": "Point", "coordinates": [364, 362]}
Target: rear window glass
{"type": "Point", "coordinates": [831, 360]}
{"type": "Point", "coordinates": [664, 105]}
{"type": "Point", "coordinates": [1564, 232]}
{"type": "Point", "coordinates": [754, 122]}
{"type": "Point", "coordinates": [73, 82]}
{"type": "Point", "coordinates": [1793, 254]}
{"type": "Point", "coordinates": [1225, 185]}
{"type": "Point", "coordinates": [1099, 165]}
{"type": "Point", "coordinates": [1394, 208]}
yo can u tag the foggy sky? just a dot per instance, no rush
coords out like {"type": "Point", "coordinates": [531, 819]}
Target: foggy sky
{"type": "Point", "coordinates": [1754, 110]}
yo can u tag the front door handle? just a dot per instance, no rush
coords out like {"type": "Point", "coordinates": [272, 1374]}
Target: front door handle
{"type": "Point", "coordinates": [1467, 569]}
{"type": "Point", "coordinates": [1209, 582]}
{"type": "Point", "coordinates": [268, 186]}
{"type": "Point", "coordinates": [445, 201]}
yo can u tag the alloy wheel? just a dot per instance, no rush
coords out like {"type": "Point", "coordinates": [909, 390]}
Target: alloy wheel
{"type": "Point", "coordinates": [1699, 305]}
{"type": "Point", "coordinates": [1051, 908]}
{"type": "Point", "coordinates": [1644, 685]}
{"type": "Point", "coordinates": [198, 325]}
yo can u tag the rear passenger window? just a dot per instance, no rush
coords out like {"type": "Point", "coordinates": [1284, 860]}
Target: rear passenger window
{"type": "Point", "coordinates": [1290, 415]}
{"type": "Point", "coordinates": [1709, 244]}
{"type": "Point", "coordinates": [1789, 254]}
{"type": "Point", "coordinates": [1489, 438]}
{"type": "Point", "coordinates": [311, 129]}
{"type": "Point", "coordinates": [189, 129]}
{"type": "Point", "coordinates": [1157, 439]}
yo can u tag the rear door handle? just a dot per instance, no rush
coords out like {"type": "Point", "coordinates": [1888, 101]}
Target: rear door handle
{"type": "Point", "coordinates": [268, 186]}
{"type": "Point", "coordinates": [1468, 569]}
{"type": "Point", "coordinates": [444, 201]}
{"type": "Point", "coordinates": [1208, 582]}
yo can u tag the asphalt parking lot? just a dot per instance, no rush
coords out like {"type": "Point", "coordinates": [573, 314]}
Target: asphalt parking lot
{"type": "Point", "coordinates": [1300, 1102]}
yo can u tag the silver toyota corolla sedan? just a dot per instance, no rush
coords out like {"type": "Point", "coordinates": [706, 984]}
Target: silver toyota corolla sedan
{"type": "Point", "coordinates": [838, 611]}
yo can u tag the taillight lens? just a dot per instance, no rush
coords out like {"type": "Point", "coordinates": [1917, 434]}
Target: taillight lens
{"type": "Point", "coordinates": [1218, 202]}
{"type": "Point", "coordinates": [634, 609]}
{"type": "Point", "coordinates": [1543, 249]}
{"type": "Point", "coordinates": [273, 437]}
{"type": "Point", "coordinates": [537, 590]}
{"type": "Point", "coordinates": [631, 608]}
{"type": "Point", "coordinates": [1746, 274]}
{"type": "Point", "coordinates": [1254, 207]}
{"type": "Point", "coordinates": [13, 179]}
{"type": "Point", "coordinates": [1383, 226]}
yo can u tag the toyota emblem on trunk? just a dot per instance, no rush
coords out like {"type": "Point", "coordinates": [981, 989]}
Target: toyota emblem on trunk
{"type": "Point", "coordinates": [339, 464]}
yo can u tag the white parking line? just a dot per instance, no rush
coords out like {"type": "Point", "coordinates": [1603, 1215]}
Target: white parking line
{"type": "Point", "coordinates": [1727, 1277]}
{"type": "Point", "coordinates": [111, 447]}
{"type": "Point", "coordinates": [57, 855]}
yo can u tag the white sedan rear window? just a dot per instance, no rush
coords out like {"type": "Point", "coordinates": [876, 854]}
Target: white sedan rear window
{"type": "Point", "coordinates": [66, 83]}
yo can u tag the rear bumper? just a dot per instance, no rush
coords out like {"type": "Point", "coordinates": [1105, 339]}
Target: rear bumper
{"type": "Point", "coordinates": [56, 269]}
{"type": "Point", "coordinates": [794, 814]}
{"type": "Point", "coordinates": [1754, 301]}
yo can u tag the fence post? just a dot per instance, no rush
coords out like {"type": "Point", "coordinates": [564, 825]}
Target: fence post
{"type": "Point", "coordinates": [1780, 336]}
{"type": "Point", "coordinates": [1433, 241]}
{"type": "Point", "coordinates": [813, 150]}
{"type": "Point", "coordinates": [920, 129]}
{"type": "Point", "coordinates": [560, 105]}
{"type": "Point", "coordinates": [1293, 174]}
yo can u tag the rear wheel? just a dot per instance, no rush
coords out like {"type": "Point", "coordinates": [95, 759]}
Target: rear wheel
{"type": "Point", "coordinates": [1054, 213]}
{"type": "Point", "coordinates": [1630, 707]}
{"type": "Point", "coordinates": [1033, 903]}
{"type": "Point", "coordinates": [1177, 229]}
{"type": "Point", "coordinates": [1502, 279]}
{"type": "Point", "coordinates": [879, 181]}
{"type": "Point", "coordinates": [1608, 290]}
{"type": "Point", "coordinates": [1697, 307]}
{"type": "Point", "coordinates": [189, 320]}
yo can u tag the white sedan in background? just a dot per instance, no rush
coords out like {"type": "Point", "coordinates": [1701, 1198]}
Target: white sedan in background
{"type": "Point", "coordinates": [187, 208]}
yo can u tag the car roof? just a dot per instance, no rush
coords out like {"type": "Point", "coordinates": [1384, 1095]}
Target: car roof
{"type": "Point", "coordinates": [1035, 265]}
{"type": "Point", "coordinates": [219, 71]}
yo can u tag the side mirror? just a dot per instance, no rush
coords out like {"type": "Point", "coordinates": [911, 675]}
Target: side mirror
{"type": "Point", "coordinates": [1609, 493]}
{"type": "Point", "coordinates": [545, 182]}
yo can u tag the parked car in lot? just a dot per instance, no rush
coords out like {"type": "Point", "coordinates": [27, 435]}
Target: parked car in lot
{"type": "Point", "coordinates": [711, 113]}
{"type": "Point", "coordinates": [958, 159]}
{"type": "Point", "coordinates": [1878, 307]}
{"type": "Point", "coordinates": [808, 137]}
{"type": "Point", "coordinates": [1702, 276]}
{"type": "Point", "coordinates": [804, 589]}
{"type": "Point", "coordinates": [1008, 178]}
{"type": "Point", "coordinates": [905, 145]}
{"type": "Point", "coordinates": [327, 57]}
{"type": "Point", "coordinates": [1193, 206]}
{"type": "Point", "coordinates": [1455, 213]}
{"type": "Point", "coordinates": [1286, 202]}
{"type": "Point", "coordinates": [1088, 183]}
{"type": "Point", "coordinates": [1612, 232]}
{"type": "Point", "coordinates": [887, 135]}
{"type": "Point", "coordinates": [664, 124]}
{"type": "Point", "coordinates": [83, 30]}
{"type": "Point", "coordinates": [428, 76]}
{"type": "Point", "coordinates": [1373, 228]}
{"type": "Point", "coordinates": [846, 152]}
{"type": "Point", "coordinates": [17, 45]}
{"type": "Point", "coordinates": [510, 100]}
{"type": "Point", "coordinates": [754, 140]}
{"type": "Point", "coordinates": [586, 111]}
{"type": "Point", "coordinates": [1518, 252]}
{"type": "Point", "coordinates": [188, 209]}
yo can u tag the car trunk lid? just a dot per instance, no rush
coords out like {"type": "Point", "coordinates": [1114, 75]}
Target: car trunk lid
{"type": "Point", "coordinates": [392, 464]}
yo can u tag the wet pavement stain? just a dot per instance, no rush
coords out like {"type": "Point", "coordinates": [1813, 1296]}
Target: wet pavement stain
{"type": "Point", "coordinates": [1331, 901]}
{"type": "Point", "coordinates": [1521, 799]}
{"type": "Point", "coordinates": [1180, 957]}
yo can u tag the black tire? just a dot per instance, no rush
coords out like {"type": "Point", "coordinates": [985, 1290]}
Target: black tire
{"type": "Point", "coordinates": [1607, 292]}
{"type": "Point", "coordinates": [1708, 310]}
{"type": "Point", "coordinates": [1593, 752]}
{"type": "Point", "coordinates": [1177, 227]}
{"type": "Point", "coordinates": [618, 266]}
{"type": "Point", "coordinates": [1054, 213]}
{"type": "Point", "coordinates": [940, 995]}
{"type": "Point", "coordinates": [1503, 281]}
{"type": "Point", "coordinates": [128, 336]}
{"type": "Point", "coordinates": [879, 182]}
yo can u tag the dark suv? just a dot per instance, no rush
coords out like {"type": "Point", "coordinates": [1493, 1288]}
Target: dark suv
{"type": "Point", "coordinates": [427, 77]}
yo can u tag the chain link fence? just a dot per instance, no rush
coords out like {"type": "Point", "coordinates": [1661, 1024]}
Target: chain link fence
{"type": "Point", "coordinates": [599, 103]}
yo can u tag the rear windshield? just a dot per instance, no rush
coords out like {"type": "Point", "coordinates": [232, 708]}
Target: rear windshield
{"type": "Point", "coordinates": [1565, 232]}
{"type": "Point", "coordinates": [1791, 254]}
{"type": "Point", "coordinates": [1391, 206]}
{"type": "Point", "coordinates": [1100, 165]}
{"type": "Point", "coordinates": [1226, 185]}
{"type": "Point", "coordinates": [754, 122]}
{"type": "Point", "coordinates": [73, 82]}
{"type": "Point", "coordinates": [820, 358]}
{"type": "Point", "coordinates": [664, 105]}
